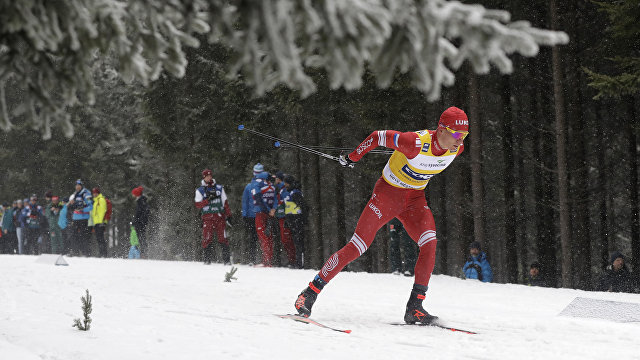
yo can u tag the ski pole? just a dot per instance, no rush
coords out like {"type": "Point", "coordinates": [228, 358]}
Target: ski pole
{"type": "Point", "coordinates": [329, 148]}
{"type": "Point", "coordinates": [279, 142]}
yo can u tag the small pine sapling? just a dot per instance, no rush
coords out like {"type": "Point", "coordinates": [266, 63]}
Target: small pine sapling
{"type": "Point", "coordinates": [229, 276]}
{"type": "Point", "coordinates": [85, 324]}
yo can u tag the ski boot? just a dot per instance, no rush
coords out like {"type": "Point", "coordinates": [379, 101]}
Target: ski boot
{"type": "Point", "coordinates": [308, 296]}
{"type": "Point", "coordinates": [415, 313]}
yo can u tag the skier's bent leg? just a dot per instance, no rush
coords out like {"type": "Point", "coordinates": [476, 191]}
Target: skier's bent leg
{"type": "Point", "coordinates": [382, 207]}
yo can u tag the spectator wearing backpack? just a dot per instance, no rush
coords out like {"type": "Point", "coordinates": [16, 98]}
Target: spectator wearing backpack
{"type": "Point", "coordinates": [98, 214]}
{"type": "Point", "coordinates": [264, 201]}
{"type": "Point", "coordinates": [141, 218]}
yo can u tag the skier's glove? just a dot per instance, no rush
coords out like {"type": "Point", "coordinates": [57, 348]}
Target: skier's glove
{"type": "Point", "coordinates": [228, 221]}
{"type": "Point", "coordinates": [345, 161]}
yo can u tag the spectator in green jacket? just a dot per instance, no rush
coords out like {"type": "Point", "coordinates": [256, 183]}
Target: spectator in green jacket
{"type": "Point", "coordinates": [98, 212]}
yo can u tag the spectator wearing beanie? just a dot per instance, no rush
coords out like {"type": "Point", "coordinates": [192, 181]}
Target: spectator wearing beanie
{"type": "Point", "coordinates": [296, 216]}
{"type": "Point", "coordinates": [34, 221]}
{"type": "Point", "coordinates": [141, 219]}
{"type": "Point", "coordinates": [535, 278]}
{"type": "Point", "coordinates": [80, 204]}
{"type": "Point", "coordinates": [617, 277]}
{"type": "Point", "coordinates": [477, 265]}
{"type": "Point", "coordinates": [263, 194]}
{"type": "Point", "coordinates": [285, 233]}
{"type": "Point", "coordinates": [249, 217]}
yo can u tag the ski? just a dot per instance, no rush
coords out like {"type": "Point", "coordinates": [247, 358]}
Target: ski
{"type": "Point", "coordinates": [305, 320]}
{"type": "Point", "coordinates": [437, 326]}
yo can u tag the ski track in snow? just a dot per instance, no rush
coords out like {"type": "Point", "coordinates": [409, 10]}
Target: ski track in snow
{"type": "Point", "coordinates": [184, 310]}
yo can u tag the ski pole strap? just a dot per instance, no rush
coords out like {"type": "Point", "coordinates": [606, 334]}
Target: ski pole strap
{"type": "Point", "coordinates": [278, 143]}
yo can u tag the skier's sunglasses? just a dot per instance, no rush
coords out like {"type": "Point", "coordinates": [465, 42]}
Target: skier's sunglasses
{"type": "Point", "coordinates": [456, 134]}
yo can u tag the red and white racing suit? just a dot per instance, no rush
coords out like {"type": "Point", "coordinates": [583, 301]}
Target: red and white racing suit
{"type": "Point", "coordinates": [398, 193]}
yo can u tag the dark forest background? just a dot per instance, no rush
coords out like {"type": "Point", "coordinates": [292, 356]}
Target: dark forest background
{"type": "Point", "coordinates": [549, 174]}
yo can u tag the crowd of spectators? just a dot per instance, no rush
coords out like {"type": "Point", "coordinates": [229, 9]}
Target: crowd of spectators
{"type": "Point", "coordinates": [64, 224]}
{"type": "Point", "coordinates": [273, 207]}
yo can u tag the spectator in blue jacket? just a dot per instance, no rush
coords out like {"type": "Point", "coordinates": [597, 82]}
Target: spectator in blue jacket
{"type": "Point", "coordinates": [81, 203]}
{"type": "Point", "coordinates": [264, 201]}
{"type": "Point", "coordinates": [477, 266]}
{"type": "Point", "coordinates": [63, 223]}
{"type": "Point", "coordinates": [34, 221]}
{"type": "Point", "coordinates": [249, 217]}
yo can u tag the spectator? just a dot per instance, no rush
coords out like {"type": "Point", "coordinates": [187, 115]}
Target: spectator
{"type": "Point", "coordinates": [55, 232]}
{"type": "Point", "coordinates": [141, 219]}
{"type": "Point", "coordinates": [249, 216]}
{"type": "Point", "coordinates": [134, 250]}
{"type": "Point", "coordinates": [617, 277]}
{"type": "Point", "coordinates": [34, 222]}
{"type": "Point", "coordinates": [477, 265]}
{"type": "Point", "coordinates": [215, 213]}
{"type": "Point", "coordinates": [63, 222]}
{"type": "Point", "coordinates": [401, 243]}
{"type": "Point", "coordinates": [18, 217]}
{"type": "Point", "coordinates": [99, 223]}
{"type": "Point", "coordinates": [535, 278]}
{"type": "Point", "coordinates": [3, 208]}
{"type": "Point", "coordinates": [263, 194]}
{"type": "Point", "coordinates": [45, 244]}
{"type": "Point", "coordinates": [296, 213]}
{"type": "Point", "coordinates": [9, 238]}
{"type": "Point", "coordinates": [285, 233]}
{"type": "Point", "coordinates": [81, 203]}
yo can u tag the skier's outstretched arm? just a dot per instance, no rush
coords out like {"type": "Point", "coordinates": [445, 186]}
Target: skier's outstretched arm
{"type": "Point", "coordinates": [407, 143]}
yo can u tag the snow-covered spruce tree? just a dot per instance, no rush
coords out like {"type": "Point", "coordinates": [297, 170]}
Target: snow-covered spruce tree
{"type": "Point", "coordinates": [625, 32]}
{"type": "Point", "coordinates": [47, 46]}
{"type": "Point", "coordinates": [84, 324]}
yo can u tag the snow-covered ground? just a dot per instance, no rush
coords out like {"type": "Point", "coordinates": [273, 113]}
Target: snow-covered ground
{"type": "Point", "coordinates": [184, 310]}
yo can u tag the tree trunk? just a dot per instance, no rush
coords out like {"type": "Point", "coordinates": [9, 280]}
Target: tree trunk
{"type": "Point", "coordinates": [561, 158]}
{"type": "Point", "coordinates": [341, 226]}
{"type": "Point", "coordinates": [543, 184]}
{"type": "Point", "coordinates": [316, 242]}
{"type": "Point", "coordinates": [510, 242]}
{"type": "Point", "coordinates": [581, 227]}
{"type": "Point", "coordinates": [475, 142]}
{"type": "Point", "coordinates": [633, 185]}
{"type": "Point", "coordinates": [603, 187]}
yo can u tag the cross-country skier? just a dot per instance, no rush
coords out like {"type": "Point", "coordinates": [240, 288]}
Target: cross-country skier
{"type": "Point", "coordinates": [399, 193]}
